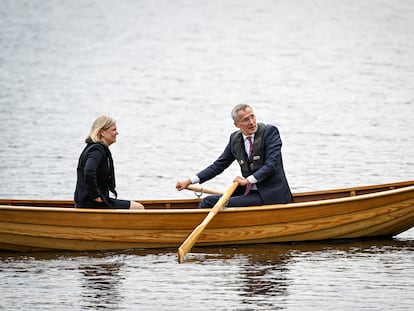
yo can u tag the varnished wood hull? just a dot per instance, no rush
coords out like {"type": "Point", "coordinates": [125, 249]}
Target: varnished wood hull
{"type": "Point", "coordinates": [382, 210]}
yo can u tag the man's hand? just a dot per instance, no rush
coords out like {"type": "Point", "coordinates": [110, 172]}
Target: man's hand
{"type": "Point", "coordinates": [241, 180]}
{"type": "Point", "coordinates": [182, 184]}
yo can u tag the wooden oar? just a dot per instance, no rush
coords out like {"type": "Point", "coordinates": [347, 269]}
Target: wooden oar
{"type": "Point", "coordinates": [193, 237]}
{"type": "Point", "coordinates": [203, 190]}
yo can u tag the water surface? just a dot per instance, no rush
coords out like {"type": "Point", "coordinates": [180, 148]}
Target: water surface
{"type": "Point", "coordinates": [336, 77]}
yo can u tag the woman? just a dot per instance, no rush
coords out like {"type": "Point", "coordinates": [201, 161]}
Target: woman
{"type": "Point", "coordinates": [96, 175]}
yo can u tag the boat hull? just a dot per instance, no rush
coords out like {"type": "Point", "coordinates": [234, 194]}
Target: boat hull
{"type": "Point", "coordinates": [34, 228]}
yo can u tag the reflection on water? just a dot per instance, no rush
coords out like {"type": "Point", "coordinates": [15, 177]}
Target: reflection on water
{"type": "Point", "coordinates": [100, 285]}
{"type": "Point", "coordinates": [266, 276]}
{"type": "Point", "coordinates": [306, 271]}
{"type": "Point", "coordinates": [262, 279]}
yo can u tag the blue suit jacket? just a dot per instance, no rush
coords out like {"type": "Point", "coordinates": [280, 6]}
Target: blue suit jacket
{"type": "Point", "coordinates": [271, 183]}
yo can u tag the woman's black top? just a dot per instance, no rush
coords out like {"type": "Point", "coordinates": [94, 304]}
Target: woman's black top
{"type": "Point", "coordinates": [95, 175]}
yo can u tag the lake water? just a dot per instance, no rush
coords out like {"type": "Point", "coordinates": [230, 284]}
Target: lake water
{"type": "Point", "coordinates": [336, 77]}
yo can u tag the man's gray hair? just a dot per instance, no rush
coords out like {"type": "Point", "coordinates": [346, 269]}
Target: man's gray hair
{"type": "Point", "coordinates": [237, 108]}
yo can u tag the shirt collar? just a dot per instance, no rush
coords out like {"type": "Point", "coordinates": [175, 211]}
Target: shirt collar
{"type": "Point", "coordinates": [245, 136]}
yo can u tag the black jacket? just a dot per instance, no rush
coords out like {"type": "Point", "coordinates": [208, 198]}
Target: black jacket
{"type": "Point", "coordinates": [95, 175]}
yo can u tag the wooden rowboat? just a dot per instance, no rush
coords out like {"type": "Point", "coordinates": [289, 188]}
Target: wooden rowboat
{"type": "Point", "coordinates": [369, 211]}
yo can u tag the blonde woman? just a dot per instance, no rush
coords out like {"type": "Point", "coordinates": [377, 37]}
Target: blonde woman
{"type": "Point", "coordinates": [95, 172]}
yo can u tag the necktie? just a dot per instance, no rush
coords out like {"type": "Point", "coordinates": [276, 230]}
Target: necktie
{"type": "Point", "coordinates": [249, 186]}
{"type": "Point", "coordinates": [249, 139]}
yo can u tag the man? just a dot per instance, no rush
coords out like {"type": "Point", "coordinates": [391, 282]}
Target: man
{"type": "Point", "coordinates": [257, 149]}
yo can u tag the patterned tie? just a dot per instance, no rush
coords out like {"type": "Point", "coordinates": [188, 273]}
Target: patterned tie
{"type": "Point", "coordinates": [249, 186]}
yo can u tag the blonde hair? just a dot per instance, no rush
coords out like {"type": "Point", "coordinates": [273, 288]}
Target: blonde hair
{"type": "Point", "coordinates": [101, 123]}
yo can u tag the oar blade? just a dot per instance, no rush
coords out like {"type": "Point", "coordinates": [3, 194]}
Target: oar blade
{"type": "Point", "coordinates": [193, 237]}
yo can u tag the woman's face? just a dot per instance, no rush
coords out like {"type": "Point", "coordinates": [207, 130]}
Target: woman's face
{"type": "Point", "coordinates": [109, 135]}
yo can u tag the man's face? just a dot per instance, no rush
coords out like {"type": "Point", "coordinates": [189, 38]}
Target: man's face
{"type": "Point", "coordinates": [246, 121]}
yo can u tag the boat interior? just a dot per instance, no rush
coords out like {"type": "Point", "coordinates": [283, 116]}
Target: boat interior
{"type": "Point", "coordinates": [193, 203]}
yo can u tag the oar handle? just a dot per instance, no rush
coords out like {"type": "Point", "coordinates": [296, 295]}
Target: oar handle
{"type": "Point", "coordinates": [193, 237]}
{"type": "Point", "coordinates": [203, 190]}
